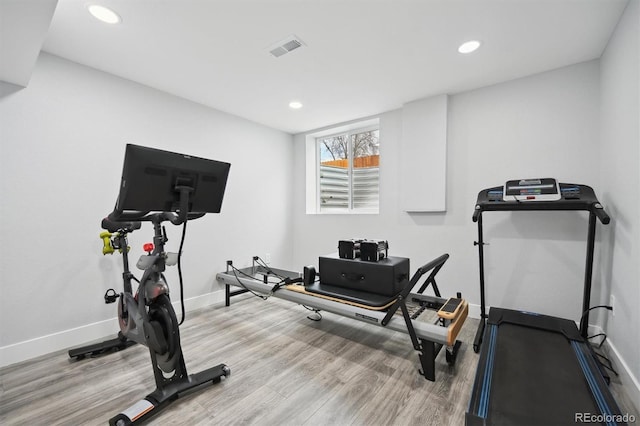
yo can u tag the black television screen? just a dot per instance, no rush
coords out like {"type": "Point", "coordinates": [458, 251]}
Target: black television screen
{"type": "Point", "coordinates": [150, 178]}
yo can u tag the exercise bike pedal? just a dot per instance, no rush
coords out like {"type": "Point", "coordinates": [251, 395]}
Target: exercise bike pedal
{"type": "Point", "coordinates": [110, 296]}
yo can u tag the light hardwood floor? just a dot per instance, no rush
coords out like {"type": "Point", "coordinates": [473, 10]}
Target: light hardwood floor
{"type": "Point", "coordinates": [285, 370]}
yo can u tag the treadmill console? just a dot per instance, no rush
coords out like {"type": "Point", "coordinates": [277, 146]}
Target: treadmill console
{"type": "Point", "coordinates": [531, 190]}
{"type": "Point", "coordinates": [560, 196]}
{"type": "Point", "coordinates": [570, 192]}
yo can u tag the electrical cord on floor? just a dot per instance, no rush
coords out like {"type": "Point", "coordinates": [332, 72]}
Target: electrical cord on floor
{"type": "Point", "coordinates": [608, 364]}
{"type": "Point", "coordinates": [603, 361]}
{"type": "Point", "coordinates": [585, 313]}
{"type": "Point", "coordinates": [604, 338]}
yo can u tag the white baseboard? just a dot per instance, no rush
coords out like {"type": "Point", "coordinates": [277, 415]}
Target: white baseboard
{"type": "Point", "coordinates": [474, 311]}
{"type": "Point", "coordinates": [102, 330]}
{"type": "Point", "coordinates": [630, 383]}
{"type": "Point", "coordinates": [28, 349]}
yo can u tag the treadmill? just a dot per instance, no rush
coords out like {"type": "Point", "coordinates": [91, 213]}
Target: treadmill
{"type": "Point", "coordinates": [537, 369]}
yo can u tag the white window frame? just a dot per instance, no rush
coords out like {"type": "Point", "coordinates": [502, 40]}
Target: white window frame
{"type": "Point", "coordinates": [313, 167]}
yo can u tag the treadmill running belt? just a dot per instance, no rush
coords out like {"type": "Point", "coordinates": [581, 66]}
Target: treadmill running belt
{"type": "Point", "coordinates": [531, 376]}
{"type": "Point", "coordinates": [536, 380]}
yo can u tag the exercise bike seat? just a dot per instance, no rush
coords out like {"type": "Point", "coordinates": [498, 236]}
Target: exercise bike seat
{"type": "Point", "coordinates": [114, 226]}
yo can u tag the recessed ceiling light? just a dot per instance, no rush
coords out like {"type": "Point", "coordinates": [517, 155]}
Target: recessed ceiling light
{"type": "Point", "coordinates": [295, 105]}
{"type": "Point", "coordinates": [104, 14]}
{"type": "Point", "coordinates": [469, 46]}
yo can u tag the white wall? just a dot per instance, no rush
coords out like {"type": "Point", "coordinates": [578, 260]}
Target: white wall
{"type": "Point", "coordinates": [539, 126]}
{"type": "Point", "coordinates": [62, 146]}
{"type": "Point", "coordinates": [620, 171]}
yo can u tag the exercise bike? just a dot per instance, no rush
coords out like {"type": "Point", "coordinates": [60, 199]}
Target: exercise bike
{"type": "Point", "coordinates": [167, 186]}
{"type": "Point", "coordinates": [148, 318]}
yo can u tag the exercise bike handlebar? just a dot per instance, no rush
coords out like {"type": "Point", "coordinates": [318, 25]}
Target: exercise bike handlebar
{"type": "Point", "coordinates": [116, 217]}
{"type": "Point", "coordinates": [183, 215]}
{"type": "Point", "coordinates": [113, 226]}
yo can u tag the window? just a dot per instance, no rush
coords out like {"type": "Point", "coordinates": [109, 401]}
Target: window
{"type": "Point", "coordinates": [348, 171]}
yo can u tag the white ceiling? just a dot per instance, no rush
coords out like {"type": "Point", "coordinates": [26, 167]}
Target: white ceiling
{"type": "Point", "coordinates": [362, 57]}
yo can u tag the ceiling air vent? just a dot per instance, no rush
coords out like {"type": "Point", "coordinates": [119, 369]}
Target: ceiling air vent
{"type": "Point", "coordinates": [285, 46]}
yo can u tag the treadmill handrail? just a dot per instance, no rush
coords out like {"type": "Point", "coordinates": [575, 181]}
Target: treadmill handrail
{"type": "Point", "coordinates": [586, 201]}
